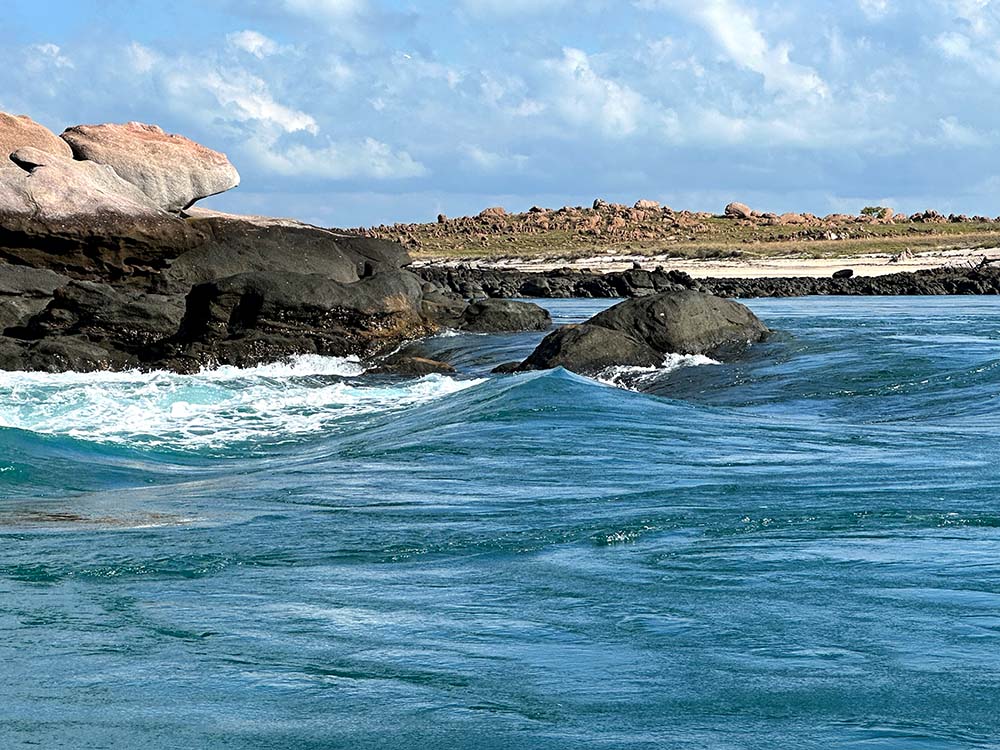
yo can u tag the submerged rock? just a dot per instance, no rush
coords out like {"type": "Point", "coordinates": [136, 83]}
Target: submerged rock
{"type": "Point", "coordinates": [173, 171]}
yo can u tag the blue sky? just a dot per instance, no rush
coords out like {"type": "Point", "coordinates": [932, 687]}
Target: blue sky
{"type": "Point", "coordinates": [354, 112]}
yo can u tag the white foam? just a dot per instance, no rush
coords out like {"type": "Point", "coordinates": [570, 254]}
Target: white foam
{"type": "Point", "coordinates": [633, 378]}
{"type": "Point", "coordinates": [212, 409]}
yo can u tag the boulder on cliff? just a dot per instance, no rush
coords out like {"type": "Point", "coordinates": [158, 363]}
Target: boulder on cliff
{"type": "Point", "coordinates": [20, 131]}
{"type": "Point", "coordinates": [173, 171]}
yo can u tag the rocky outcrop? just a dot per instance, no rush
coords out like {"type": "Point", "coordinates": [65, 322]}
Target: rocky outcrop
{"type": "Point", "coordinates": [17, 132]}
{"type": "Point", "coordinates": [172, 171]}
{"type": "Point", "coordinates": [587, 349]}
{"type": "Point", "coordinates": [684, 322]}
{"type": "Point", "coordinates": [739, 211]}
{"type": "Point", "coordinates": [641, 332]}
{"type": "Point", "coordinates": [82, 219]}
{"type": "Point", "coordinates": [24, 292]}
{"type": "Point", "coordinates": [499, 315]}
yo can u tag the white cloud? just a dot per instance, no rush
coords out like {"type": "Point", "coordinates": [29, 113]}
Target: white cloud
{"type": "Point", "coordinates": [585, 98]}
{"type": "Point", "coordinates": [327, 10]}
{"type": "Point", "coordinates": [253, 43]}
{"type": "Point", "coordinates": [367, 158]}
{"type": "Point", "coordinates": [734, 29]}
{"type": "Point", "coordinates": [875, 9]}
{"type": "Point", "coordinates": [48, 55]}
{"type": "Point", "coordinates": [955, 133]}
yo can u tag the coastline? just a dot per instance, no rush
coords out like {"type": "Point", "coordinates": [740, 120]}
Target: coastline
{"type": "Point", "coordinates": [773, 267]}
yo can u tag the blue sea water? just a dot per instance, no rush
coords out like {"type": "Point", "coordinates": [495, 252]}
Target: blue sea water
{"type": "Point", "coordinates": [798, 549]}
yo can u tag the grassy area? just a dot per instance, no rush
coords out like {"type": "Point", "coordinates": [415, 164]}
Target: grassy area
{"type": "Point", "coordinates": [569, 246]}
{"type": "Point", "coordinates": [707, 238]}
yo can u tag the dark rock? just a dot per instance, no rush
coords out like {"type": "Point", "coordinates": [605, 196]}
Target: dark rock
{"type": "Point", "coordinates": [249, 318]}
{"type": "Point", "coordinates": [24, 292]}
{"type": "Point", "coordinates": [116, 319]}
{"type": "Point", "coordinates": [588, 349]}
{"type": "Point", "coordinates": [843, 274]}
{"type": "Point", "coordinates": [683, 322]}
{"type": "Point", "coordinates": [411, 367]}
{"type": "Point", "coordinates": [497, 315]}
{"type": "Point", "coordinates": [507, 368]}
{"type": "Point", "coordinates": [238, 244]}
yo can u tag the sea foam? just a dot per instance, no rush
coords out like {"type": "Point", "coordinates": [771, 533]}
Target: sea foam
{"type": "Point", "coordinates": [215, 408]}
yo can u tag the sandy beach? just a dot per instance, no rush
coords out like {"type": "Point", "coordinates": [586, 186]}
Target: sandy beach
{"type": "Point", "coordinates": [747, 268]}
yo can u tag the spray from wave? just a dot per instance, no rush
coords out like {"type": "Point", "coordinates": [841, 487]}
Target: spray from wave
{"type": "Point", "coordinates": [636, 378]}
{"type": "Point", "coordinates": [216, 408]}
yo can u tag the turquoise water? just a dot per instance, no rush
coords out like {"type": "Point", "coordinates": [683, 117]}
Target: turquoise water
{"type": "Point", "coordinates": [800, 549]}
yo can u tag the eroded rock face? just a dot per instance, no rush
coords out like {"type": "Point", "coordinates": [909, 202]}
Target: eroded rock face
{"type": "Point", "coordinates": [81, 219]}
{"type": "Point", "coordinates": [245, 244]}
{"type": "Point", "coordinates": [172, 171]}
{"type": "Point", "coordinates": [20, 131]}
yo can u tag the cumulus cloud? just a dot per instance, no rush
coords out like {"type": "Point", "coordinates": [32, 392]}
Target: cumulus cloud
{"type": "Point", "coordinates": [734, 28]}
{"type": "Point", "coordinates": [253, 43]}
{"type": "Point", "coordinates": [585, 98]}
{"type": "Point", "coordinates": [875, 9]}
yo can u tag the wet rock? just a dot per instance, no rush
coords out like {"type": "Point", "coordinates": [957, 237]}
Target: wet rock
{"type": "Point", "coordinates": [411, 367]}
{"type": "Point", "coordinates": [684, 322]}
{"type": "Point", "coordinates": [589, 349]}
{"type": "Point", "coordinates": [247, 244]}
{"type": "Point", "coordinates": [24, 292]}
{"type": "Point", "coordinates": [497, 315]}
{"type": "Point", "coordinates": [173, 171]}
{"type": "Point", "coordinates": [249, 318]}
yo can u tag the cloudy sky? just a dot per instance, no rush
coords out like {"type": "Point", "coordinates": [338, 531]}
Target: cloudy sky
{"type": "Point", "coordinates": [354, 112]}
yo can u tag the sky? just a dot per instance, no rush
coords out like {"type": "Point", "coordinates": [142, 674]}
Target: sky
{"type": "Point", "coordinates": [358, 112]}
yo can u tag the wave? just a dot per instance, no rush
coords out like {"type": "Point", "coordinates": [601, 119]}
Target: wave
{"type": "Point", "coordinates": [213, 409]}
{"type": "Point", "coordinates": [640, 378]}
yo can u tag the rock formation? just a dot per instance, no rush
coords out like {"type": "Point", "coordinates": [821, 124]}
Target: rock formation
{"type": "Point", "coordinates": [640, 332]}
{"type": "Point", "coordinates": [173, 171]}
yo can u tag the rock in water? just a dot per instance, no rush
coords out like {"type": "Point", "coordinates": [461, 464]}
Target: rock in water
{"type": "Point", "coordinates": [684, 322]}
{"type": "Point", "coordinates": [17, 132]}
{"type": "Point", "coordinates": [640, 332]}
{"type": "Point", "coordinates": [588, 349]}
{"type": "Point", "coordinates": [498, 315]}
{"type": "Point", "coordinates": [173, 171]}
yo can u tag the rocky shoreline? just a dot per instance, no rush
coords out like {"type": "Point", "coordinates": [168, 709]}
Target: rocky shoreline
{"type": "Point", "coordinates": [470, 281]}
{"type": "Point", "coordinates": [106, 264]}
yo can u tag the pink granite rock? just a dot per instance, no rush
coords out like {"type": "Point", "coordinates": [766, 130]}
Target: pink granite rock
{"type": "Point", "coordinates": [21, 131]}
{"type": "Point", "coordinates": [173, 171]}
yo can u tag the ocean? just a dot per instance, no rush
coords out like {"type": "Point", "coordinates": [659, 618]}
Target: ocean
{"type": "Point", "coordinates": [799, 548]}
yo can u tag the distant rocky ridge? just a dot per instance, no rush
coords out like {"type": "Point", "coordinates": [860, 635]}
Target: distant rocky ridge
{"type": "Point", "coordinates": [646, 221]}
